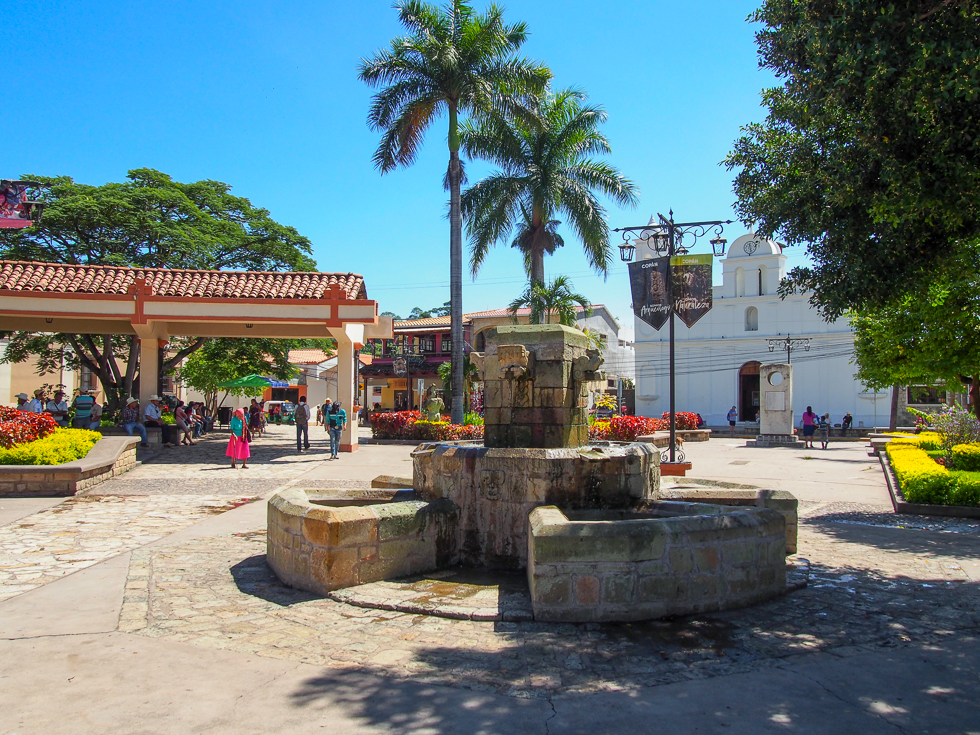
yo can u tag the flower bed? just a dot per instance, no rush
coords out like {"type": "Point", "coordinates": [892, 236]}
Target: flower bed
{"type": "Point", "coordinates": [684, 420]}
{"type": "Point", "coordinates": [19, 427]}
{"type": "Point", "coordinates": [922, 479]}
{"type": "Point", "coordinates": [410, 425]}
{"type": "Point", "coordinates": [59, 446]}
{"type": "Point", "coordinates": [625, 428]}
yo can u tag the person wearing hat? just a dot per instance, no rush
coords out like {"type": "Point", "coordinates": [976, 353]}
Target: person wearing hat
{"type": "Point", "coordinates": [36, 404]}
{"type": "Point", "coordinates": [153, 416]}
{"type": "Point", "coordinates": [130, 420]}
{"type": "Point", "coordinates": [83, 409]}
{"type": "Point", "coordinates": [22, 401]}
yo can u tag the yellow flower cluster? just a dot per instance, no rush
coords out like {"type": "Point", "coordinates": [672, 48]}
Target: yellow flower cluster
{"type": "Point", "coordinates": [922, 480]}
{"type": "Point", "coordinates": [64, 445]}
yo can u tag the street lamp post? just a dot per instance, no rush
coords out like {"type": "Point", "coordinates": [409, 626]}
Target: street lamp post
{"type": "Point", "coordinates": [666, 238]}
{"type": "Point", "coordinates": [789, 344]}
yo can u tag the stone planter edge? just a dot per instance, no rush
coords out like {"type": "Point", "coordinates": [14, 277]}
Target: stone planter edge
{"type": "Point", "coordinates": [109, 457]}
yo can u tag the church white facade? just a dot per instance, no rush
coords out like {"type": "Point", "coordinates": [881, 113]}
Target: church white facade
{"type": "Point", "coordinates": [718, 359]}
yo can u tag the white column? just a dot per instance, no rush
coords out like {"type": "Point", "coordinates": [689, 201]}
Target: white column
{"type": "Point", "coordinates": [149, 369]}
{"type": "Point", "coordinates": [349, 339]}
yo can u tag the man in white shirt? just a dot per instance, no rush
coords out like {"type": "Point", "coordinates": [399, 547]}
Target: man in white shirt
{"type": "Point", "coordinates": [58, 408]}
{"type": "Point", "coordinates": [22, 402]}
{"type": "Point", "coordinates": [153, 416]}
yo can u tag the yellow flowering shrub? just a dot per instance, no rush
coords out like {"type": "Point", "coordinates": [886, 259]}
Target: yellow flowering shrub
{"type": "Point", "coordinates": [921, 479]}
{"type": "Point", "coordinates": [967, 457]}
{"type": "Point", "coordinates": [64, 445]}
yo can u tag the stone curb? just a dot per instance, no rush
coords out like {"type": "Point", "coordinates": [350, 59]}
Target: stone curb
{"type": "Point", "coordinates": [111, 456]}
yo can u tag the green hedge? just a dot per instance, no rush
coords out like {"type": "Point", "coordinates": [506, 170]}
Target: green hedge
{"type": "Point", "coordinates": [64, 445]}
{"type": "Point", "coordinates": [966, 488]}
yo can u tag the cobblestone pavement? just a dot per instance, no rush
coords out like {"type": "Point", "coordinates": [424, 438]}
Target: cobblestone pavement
{"type": "Point", "coordinates": [80, 532]}
{"type": "Point", "coordinates": [893, 589]}
{"type": "Point", "coordinates": [172, 489]}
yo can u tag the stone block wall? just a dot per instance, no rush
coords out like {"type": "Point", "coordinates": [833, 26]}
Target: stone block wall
{"type": "Point", "coordinates": [495, 489]}
{"type": "Point", "coordinates": [780, 500]}
{"type": "Point", "coordinates": [679, 559]}
{"type": "Point", "coordinates": [531, 398]}
{"type": "Point", "coordinates": [320, 548]}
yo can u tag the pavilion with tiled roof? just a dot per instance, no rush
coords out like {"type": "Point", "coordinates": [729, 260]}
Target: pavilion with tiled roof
{"type": "Point", "coordinates": [154, 304]}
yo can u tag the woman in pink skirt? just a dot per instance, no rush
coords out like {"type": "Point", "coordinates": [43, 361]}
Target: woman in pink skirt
{"type": "Point", "coordinates": [238, 443]}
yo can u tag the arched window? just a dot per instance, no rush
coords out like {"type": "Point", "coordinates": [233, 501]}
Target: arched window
{"type": "Point", "coordinates": [740, 282]}
{"type": "Point", "coordinates": [751, 319]}
{"type": "Point", "coordinates": [481, 342]}
{"type": "Point", "coordinates": [762, 280]}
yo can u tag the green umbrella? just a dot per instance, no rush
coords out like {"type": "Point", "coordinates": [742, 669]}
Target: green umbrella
{"type": "Point", "coordinates": [253, 381]}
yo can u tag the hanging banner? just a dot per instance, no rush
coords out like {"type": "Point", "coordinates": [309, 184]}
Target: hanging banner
{"type": "Point", "coordinates": [13, 213]}
{"type": "Point", "coordinates": [691, 285]}
{"type": "Point", "coordinates": [648, 283]}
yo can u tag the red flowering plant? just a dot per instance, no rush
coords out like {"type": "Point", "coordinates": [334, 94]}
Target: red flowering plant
{"type": "Point", "coordinates": [410, 425]}
{"type": "Point", "coordinates": [19, 427]}
{"type": "Point", "coordinates": [684, 420]}
{"type": "Point", "coordinates": [625, 428]}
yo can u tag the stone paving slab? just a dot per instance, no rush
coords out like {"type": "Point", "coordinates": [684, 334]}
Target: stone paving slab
{"type": "Point", "coordinates": [83, 531]}
{"type": "Point", "coordinates": [461, 594]}
{"type": "Point", "coordinates": [895, 591]}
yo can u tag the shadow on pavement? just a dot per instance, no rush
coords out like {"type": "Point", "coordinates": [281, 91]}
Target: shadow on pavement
{"type": "Point", "coordinates": [885, 531]}
{"type": "Point", "coordinates": [254, 578]}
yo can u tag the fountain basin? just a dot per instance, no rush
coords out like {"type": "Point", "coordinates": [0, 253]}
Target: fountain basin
{"type": "Point", "coordinates": [672, 559]}
{"type": "Point", "coordinates": [495, 488]}
{"type": "Point", "coordinates": [321, 542]}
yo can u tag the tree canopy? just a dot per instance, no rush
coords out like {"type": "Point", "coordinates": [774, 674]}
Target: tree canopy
{"type": "Point", "coordinates": [548, 169]}
{"type": "Point", "coordinates": [930, 334]}
{"type": "Point", "coordinates": [869, 153]}
{"type": "Point", "coordinates": [152, 221]}
{"type": "Point", "coordinates": [221, 360]}
{"type": "Point", "coordinates": [454, 61]}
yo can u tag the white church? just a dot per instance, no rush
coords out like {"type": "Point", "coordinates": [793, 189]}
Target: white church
{"type": "Point", "coordinates": [718, 359]}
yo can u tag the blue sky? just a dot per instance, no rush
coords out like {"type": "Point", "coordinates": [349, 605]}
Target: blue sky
{"type": "Point", "coordinates": [268, 101]}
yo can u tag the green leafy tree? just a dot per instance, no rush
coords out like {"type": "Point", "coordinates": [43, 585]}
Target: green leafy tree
{"type": "Point", "coordinates": [930, 334]}
{"type": "Point", "coordinates": [869, 153]}
{"type": "Point", "coordinates": [221, 360]}
{"type": "Point", "coordinates": [553, 300]}
{"type": "Point", "coordinates": [445, 373]}
{"type": "Point", "coordinates": [418, 313]}
{"type": "Point", "coordinates": [547, 170]}
{"type": "Point", "coordinates": [150, 221]}
{"type": "Point", "coordinates": [454, 61]}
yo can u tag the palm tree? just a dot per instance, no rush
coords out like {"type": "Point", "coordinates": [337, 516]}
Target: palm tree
{"type": "Point", "coordinates": [445, 371]}
{"type": "Point", "coordinates": [555, 299]}
{"type": "Point", "coordinates": [453, 60]}
{"type": "Point", "coordinates": [546, 168]}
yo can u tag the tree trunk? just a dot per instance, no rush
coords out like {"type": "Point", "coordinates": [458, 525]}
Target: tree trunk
{"type": "Point", "coordinates": [975, 395]}
{"type": "Point", "coordinates": [893, 418]}
{"type": "Point", "coordinates": [456, 287]}
{"type": "Point", "coordinates": [537, 265]}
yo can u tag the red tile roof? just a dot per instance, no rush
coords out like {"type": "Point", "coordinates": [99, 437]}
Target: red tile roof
{"type": "Point", "coordinates": [107, 279]}
{"type": "Point", "coordinates": [311, 356]}
{"type": "Point", "coordinates": [443, 321]}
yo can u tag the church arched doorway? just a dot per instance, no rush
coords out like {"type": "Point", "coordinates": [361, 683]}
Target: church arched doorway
{"type": "Point", "coordinates": [748, 391]}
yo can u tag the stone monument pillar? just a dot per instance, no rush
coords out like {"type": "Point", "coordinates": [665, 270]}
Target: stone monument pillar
{"type": "Point", "coordinates": [775, 406]}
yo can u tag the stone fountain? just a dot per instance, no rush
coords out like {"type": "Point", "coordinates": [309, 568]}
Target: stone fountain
{"type": "Point", "coordinates": [585, 519]}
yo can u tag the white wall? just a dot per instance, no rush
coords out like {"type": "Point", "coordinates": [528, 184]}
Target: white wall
{"type": "Point", "coordinates": [709, 355]}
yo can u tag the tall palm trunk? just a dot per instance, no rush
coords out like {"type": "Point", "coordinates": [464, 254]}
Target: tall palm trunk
{"type": "Point", "coordinates": [455, 270]}
{"type": "Point", "coordinates": [537, 265]}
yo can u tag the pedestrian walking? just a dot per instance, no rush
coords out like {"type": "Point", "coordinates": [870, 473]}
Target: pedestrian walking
{"type": "Point", "coordinates": [337, 420]}
{"type": "Point", "coordinates": [732, 417]}
{"type": "Point", "coordinates": [824, 426]}
{"type": "Point", "coordinates": [238, 442]}
{"type": "Point", "coordinates": [302, 419]}
{"type": "Point", "coordinates": [324, 409]}
{"type": "Point", "coordinates": [255, 418]}
{"type": "Point", "coordinates": [809, 427]}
